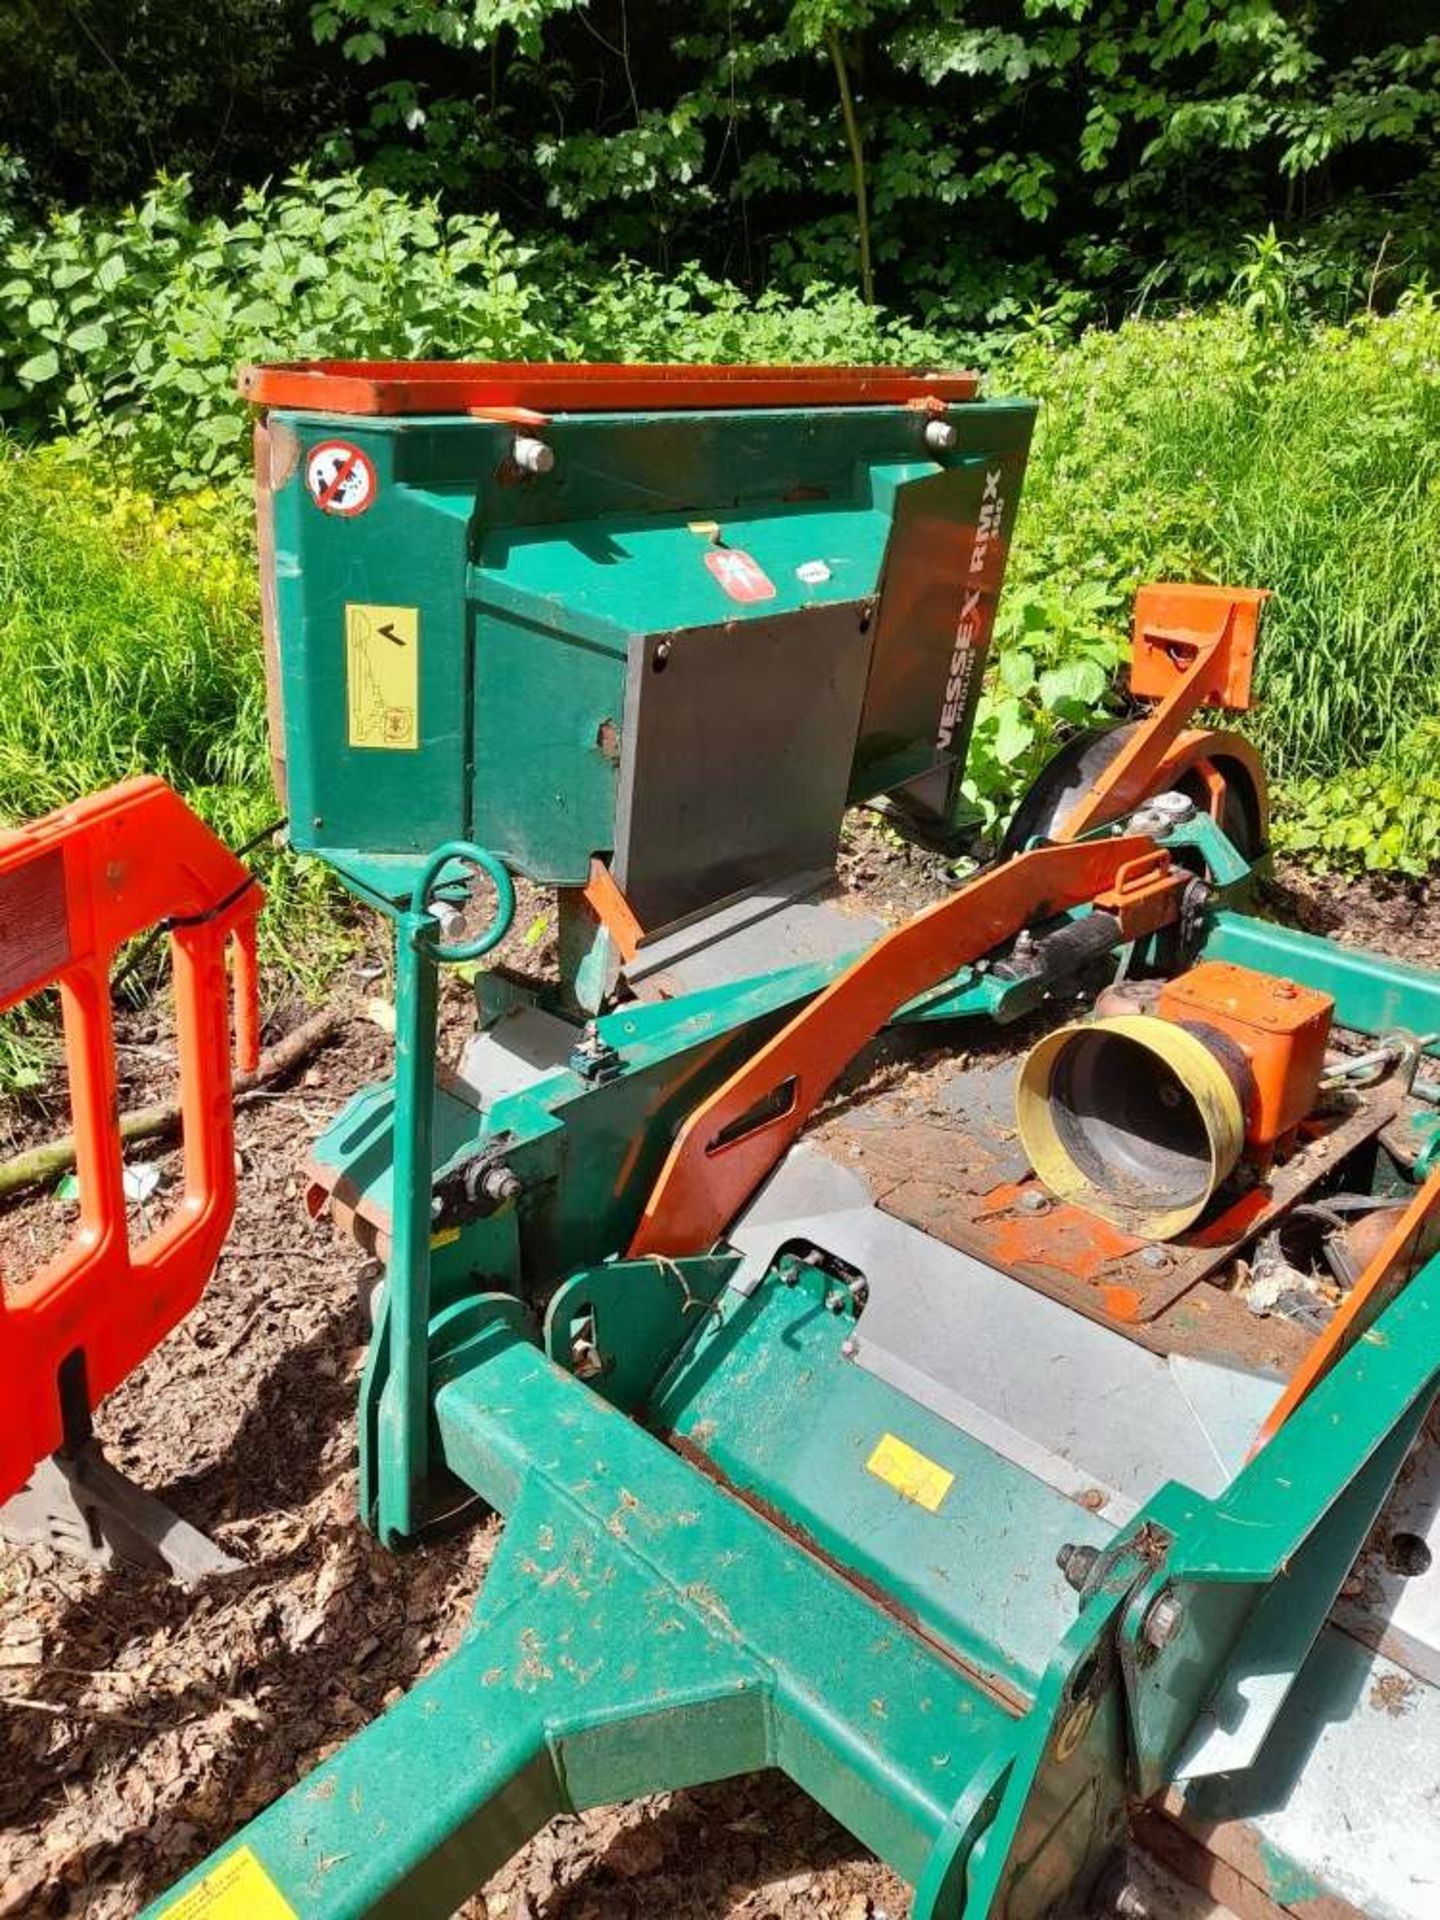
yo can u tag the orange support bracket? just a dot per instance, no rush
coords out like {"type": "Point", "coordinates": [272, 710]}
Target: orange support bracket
{"type": "Point", "coordinates": [1377, 1286]}
{"type": "Point", "coordinates": [1191, 647]}
{"type": "Point", "coordinates": [613, 910]}
{"type": "Point", "coordinates": [74, 887]}
{"type": "Point", "coordinates": [736, 1137]}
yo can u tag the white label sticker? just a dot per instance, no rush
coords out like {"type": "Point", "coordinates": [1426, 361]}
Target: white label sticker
{"type": "Point", "coordinates": [813, 572]}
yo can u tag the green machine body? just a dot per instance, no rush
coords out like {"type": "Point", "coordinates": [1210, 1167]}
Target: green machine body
{"type": "Point", "coordinates": [673, 619]}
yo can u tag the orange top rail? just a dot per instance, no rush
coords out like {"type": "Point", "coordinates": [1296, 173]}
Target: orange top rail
{"type": "Point", "coordinates": [532, 389]}
{"type": "Point", "coordinates": [74, 887]}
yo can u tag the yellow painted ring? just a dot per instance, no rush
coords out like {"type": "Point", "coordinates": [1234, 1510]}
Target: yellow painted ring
{"type": "Point", "coordinates": [1194, 1065]}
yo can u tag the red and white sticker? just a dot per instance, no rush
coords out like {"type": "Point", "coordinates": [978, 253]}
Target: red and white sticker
{"type": "Point", "coordinates": [340, 478]}
{"type": "Point", "coordinates": [741, 577]}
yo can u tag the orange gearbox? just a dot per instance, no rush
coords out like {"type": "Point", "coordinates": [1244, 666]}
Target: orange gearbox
{"type": "Point", "coordinates": [1281, 1029]}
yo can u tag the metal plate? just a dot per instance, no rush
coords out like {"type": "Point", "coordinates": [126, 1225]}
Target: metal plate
{"type": "Point", "coordinates": [736, 750]}
{"type": "Point", "coordinates": [1084, 1409]}
{"type": "Point", "coordinates": [784, 923]}
{"type": "Point", "coordinates": [1341, 1805]}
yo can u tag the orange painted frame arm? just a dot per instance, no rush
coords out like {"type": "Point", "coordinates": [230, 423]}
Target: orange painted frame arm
{"type": "Point", "coordinates": [74, 887]}
{"type": "Point", "coordinates": [736, 1137]}
{"type": "Point", "coordinates": [1192, 646]}
{"type": "Point", "coordinates": [1377, 1286]}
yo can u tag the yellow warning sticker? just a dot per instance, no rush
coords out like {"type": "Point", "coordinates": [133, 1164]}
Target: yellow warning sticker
{"type": "Point", "coordinates": [911, 1475]}
{"type": "Point", "coordinates": [237, 1888]}
{"type": "Point", "coordinates": [382, 676]}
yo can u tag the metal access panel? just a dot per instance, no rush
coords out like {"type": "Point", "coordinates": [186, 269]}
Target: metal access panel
{"type": "Point", "coordinates": [719, 790]}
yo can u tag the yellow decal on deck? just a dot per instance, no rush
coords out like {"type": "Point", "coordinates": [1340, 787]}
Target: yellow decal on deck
{"type": "Point", "coordinates": [382, 676]}
{"type": "Point", "coordinates": [237, 1888]}
{"type": "Point", "coordinates": [911, 1475]}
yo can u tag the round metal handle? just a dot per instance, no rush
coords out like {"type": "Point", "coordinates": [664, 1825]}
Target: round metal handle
{"type": "Point", "coordinates": [496, 872]}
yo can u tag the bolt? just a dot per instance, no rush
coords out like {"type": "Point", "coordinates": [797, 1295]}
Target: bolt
{"type": "Point", "coordinates": [1156, 1258]}
{"type": "Point", "coordinates": [1287, 990]}
{"type": "Point", "coordinates": [834, 1302]}
{"type": "Point", "coordinates": [499, 1184]}
{"type": "Point", "coordinates": [849, 1347]}
{"type": "Point", "coordinates": [1077, 1563]}
{"type": "Point", "coordinates": [1163, 1621]}
{"type": "Point", "coordinates": [1130, 1904]}
{"type": "Point", "coordinates": [940, 435]}
{"type": "Point", "coordinates": [662, 652]}
{"type": "Point", "coordinates": [1033, 1201]}
{"type": "Point", "coordinates": [447, 916]}
{"type": "Point", "coordinates": [530, 455]}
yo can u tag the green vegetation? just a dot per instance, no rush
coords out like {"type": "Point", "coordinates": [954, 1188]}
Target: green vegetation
{"type": "Point", "coordinates": [1303, 460]}
{"type": "Point", "coordinates": [910, 181]}
{"type": "Point", "coordinates": [129, 329]}
{"type": "Point", "coordinates": [966, 162]}
{"type": "Point", "coordinates": [129, 643]}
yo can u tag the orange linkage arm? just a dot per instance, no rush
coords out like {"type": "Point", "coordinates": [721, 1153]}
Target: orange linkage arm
{"type": "Point", "coordinates": [73, 888]}
{"type": "Point", "coordinates": [1192, 647]}
{"type": "Point", "coordinates": [1377, 1286]}
{"type": "Point", "coordinates": [736, 1137]}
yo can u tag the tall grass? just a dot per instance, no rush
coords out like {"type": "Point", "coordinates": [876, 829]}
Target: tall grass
{"type": "Point", "coordinates": [129, 643]}
{"type": "Point", "coordinates": [1308, 463]}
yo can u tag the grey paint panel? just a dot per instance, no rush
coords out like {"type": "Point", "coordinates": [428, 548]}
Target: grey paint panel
{"type": "Point", "coordinates": [735, 755]}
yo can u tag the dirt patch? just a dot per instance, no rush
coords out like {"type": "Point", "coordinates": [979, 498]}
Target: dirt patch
{"type": "Point", "coordinates": [140, 1725]}
{"type": "Point", "coordinates": [1395, 916]}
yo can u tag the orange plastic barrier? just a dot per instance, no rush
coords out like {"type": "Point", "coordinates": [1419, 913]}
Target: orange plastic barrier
{"type": "Point", "coordinates": [73, 888]}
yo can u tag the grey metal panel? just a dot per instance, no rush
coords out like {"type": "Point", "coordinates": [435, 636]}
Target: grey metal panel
{"type": "Point", "coordinates": [735, 755]}
{"type": "Point", "coordinates": [778, 924]}
{"type": "Point", "coordinates": [1081, 1407]}
{"type": "Point", "coordinates": [1396, 1612]}
{"type": "Point", "coordinates": [519, 1050]}
{"type": "Point", "coordinates": [1342, 1800]}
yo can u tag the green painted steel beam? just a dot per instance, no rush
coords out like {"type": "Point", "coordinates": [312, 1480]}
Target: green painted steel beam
{"type": "Point", "coordinates": [638, 1629]}
{"type": "Point", "coordinates": [767, 1394]}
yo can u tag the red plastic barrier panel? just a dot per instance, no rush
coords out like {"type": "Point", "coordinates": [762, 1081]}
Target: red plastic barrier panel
{"type": "Point", "coordinates": [73, 888]}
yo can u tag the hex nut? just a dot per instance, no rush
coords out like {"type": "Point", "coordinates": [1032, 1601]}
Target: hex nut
{"type": "Point", "coordinates": [1163, 1621]}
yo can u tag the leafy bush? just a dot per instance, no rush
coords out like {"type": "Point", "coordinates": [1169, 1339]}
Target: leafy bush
{"type": "Point", "coordinates": [130, 329]}
{"type": "Point", "coordinates": [1383, 818]}
{"type": "Point", "coordinates": [1056, 658]}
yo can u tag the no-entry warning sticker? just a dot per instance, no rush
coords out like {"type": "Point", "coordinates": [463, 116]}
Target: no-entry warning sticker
{"type": "Point", "coordinates": [742, 577]}
{"type": "Point", "coordinates": [340, 478]}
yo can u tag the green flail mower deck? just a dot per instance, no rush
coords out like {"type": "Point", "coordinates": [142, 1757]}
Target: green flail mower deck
{"type": "Point", "coordinates": [827, 1440]}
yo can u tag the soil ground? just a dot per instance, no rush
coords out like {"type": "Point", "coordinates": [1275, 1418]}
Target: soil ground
{"type": "Point", "coordinates": [141, 1724]}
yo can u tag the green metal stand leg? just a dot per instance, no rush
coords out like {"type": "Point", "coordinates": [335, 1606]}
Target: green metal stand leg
{"type": "Point", "coordinates": [403, 1464]}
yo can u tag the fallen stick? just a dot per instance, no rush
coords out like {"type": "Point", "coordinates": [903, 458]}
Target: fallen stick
{"type": "Point", "coordinates": [39, 1165]}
